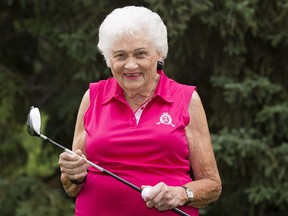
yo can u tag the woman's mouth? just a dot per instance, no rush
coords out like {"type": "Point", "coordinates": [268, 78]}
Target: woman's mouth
{"type": "Point", "coordinates": [132, 75]}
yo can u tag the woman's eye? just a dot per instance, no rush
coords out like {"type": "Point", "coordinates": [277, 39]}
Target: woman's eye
{"type": "Point", "coordinates": [120, 56]}
{"type": "Point", "coordinates": [141, 54]}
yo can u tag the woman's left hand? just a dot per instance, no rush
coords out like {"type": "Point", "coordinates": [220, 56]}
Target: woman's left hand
{"type": "Point", "coordinates": [164, 197]}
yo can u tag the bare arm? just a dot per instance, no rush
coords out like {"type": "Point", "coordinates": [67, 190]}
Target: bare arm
{"type": "Point", "coordinates": [71, 166]}
{"type": "Point", "coordinates": [207, 183]}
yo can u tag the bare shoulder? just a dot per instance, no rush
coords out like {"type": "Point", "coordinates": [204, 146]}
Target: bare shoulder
{"type": "Point", "coordinates": [85, 101]}
{"type": "Point", "coordinates": [196, 109]}
{"type": "Point", "coordinates": [80, 133]}
{"type": "Point", "coordinates": [195, 100]}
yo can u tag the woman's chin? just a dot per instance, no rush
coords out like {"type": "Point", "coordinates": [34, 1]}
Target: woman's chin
{"type": "Point", "coordinates": [133, 86]}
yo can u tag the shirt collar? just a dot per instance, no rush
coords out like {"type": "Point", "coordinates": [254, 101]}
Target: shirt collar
{"type": "Point", "coordinates": [113, 90]}
{"type": "Point", "coordinates": [163, 90]}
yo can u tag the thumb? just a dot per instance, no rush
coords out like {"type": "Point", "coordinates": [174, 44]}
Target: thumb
{"type": "Point", "coordinates": [79, 152]}
{"type": "Point", "coordinates": [83, 156]}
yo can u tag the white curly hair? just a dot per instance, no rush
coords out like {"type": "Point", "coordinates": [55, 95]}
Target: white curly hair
{"type": "Point", "coordinates": [132, 21]}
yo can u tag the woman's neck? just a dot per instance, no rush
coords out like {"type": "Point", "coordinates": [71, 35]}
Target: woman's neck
{"type": "Point", "coordinates": [136, 99]}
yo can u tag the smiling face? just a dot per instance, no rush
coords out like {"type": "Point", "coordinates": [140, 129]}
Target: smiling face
{"type": "Point", "coordinates": [133, 62]}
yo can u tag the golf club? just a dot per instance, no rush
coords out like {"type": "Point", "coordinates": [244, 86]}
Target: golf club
{"type": "Point", "coordinates": [33, 129]}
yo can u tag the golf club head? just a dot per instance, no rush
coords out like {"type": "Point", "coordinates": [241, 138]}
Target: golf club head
{"type": "Point", "coordinates": [34, 121]}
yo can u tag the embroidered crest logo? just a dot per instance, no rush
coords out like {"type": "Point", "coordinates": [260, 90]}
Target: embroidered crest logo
{"type": "Point", "coordinates": [166, 119]}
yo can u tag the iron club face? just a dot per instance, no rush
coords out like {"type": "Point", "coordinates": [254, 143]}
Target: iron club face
{"type": "Point", "coordinates": [34, 121]}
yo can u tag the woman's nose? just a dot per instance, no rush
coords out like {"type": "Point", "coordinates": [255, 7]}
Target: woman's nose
{"type": "Point", "coordinates": [131, 64]}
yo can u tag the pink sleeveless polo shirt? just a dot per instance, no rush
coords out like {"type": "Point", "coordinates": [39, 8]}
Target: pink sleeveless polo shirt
{"type": "Point", "coordinates": [144, 148]}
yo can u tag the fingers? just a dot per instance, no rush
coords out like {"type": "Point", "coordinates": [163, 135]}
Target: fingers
{"type": "Point", "coordinates": [157, 196]}
{"type": "Point", "coordinates": [162, 197]}
{"type": "Point", "coordinates": [72, 166]}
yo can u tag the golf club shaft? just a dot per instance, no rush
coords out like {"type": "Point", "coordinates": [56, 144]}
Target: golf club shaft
{"type": "Point", "coordinates": [180, 212]}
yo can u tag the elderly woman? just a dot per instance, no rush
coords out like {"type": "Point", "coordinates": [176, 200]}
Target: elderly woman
{"type": "Point", "coordinates": [142, 126]}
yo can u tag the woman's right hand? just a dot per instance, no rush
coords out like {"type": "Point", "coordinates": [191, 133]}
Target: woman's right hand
{"type": "Point", "coordinates": [73, 167]}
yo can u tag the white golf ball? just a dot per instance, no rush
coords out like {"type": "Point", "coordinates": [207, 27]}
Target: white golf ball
{"type": "Point", "coordinates": [145, 192]}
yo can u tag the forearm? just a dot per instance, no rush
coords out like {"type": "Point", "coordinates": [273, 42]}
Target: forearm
{"type": "Point", "coordinates": [71, 189]}
{"type": "Point", "coordinates": [205, 191]}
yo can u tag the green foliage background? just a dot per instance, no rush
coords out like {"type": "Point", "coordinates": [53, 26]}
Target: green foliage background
{"type": "Point", "coordinates": [234, 51]}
